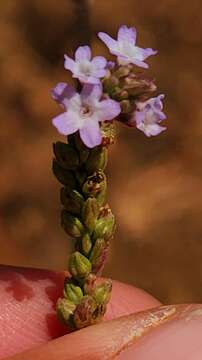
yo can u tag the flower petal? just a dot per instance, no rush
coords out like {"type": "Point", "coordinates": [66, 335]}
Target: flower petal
{"type": "Point", "coordinates": [99, 73]}
{"type": "Point", "coordinates": [88, 79]}
{"type": "Point", "coordinates": [62, 93]}
{"type": "Point", "coordinates": [99, 61]}
{"type": "Point", "coordinates": [91, 134]}
{"type": "Point", "coordinates": [145, 53]}
{"type": "Point", "coordinates": [127, 34]}
{"type": "Point", "coordinates": [139, 63]}
{"type": "Point", "coordinates": [69, 64]}
{"type": "Point", "coordinates": [66, 123]}
{"type": "Point", "coordinates": [91, 93]}
{"type": "Point", "coordinates": [108, 110]}
{"type": "Point", "coordinates": [151, 129]}
{"type": "Point", "coordinates": [83, 53]}
{"type": "Point", "coordinates": [111, 43]}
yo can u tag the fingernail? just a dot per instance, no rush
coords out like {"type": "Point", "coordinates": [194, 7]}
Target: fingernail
{"type": "Point", "coordinates": [176, 336]}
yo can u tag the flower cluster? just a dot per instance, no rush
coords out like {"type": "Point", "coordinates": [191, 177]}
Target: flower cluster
{"type": "Point", "coordinates": [109, 90]}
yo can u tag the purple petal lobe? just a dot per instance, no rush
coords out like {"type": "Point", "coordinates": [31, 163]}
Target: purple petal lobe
{"type": "Point", "coordinates": [91, 134]}
{"type": "Point", "coordinates": [69, 64]}
{"type": "Point", "coordinates": [62, 93]}
{"type": "Point", "coordinates": [111, 43]}
{"type": "Point", "coordinates": [99, 73]}
{"type": "Point", "coordinates": [91, 93]}
{"type": "Point", "coordinates": [152, 129]}
{"type": "Point", "coordinates": [145, 53]}
{"type": "Point", "coordinates": [99, 61]}
{"type": "Point", "coordinates": [83, 53]}
{"type": "Point", "coordinates": [65, 123]}
{"type": "Point", "coordinates": [127, 34]}
{"type": "Point", "coordinates": [108, 110]}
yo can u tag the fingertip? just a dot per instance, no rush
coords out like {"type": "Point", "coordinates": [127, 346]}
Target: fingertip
{"type": "Point", "coordinates": [127, 299]}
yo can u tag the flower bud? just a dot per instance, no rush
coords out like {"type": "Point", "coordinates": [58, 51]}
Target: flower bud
{"type": "Point", "coordinates": [65, 177]}
{"type": "Point", "coordinates": [65, 310]}
{"type": "Point", "coordinates": [109, 83]}
{"type": "Point", "coordinates": [97, 159]}
{"type": "Point", "coordinates": [81, 177]}
{"type": "Point", "coordinates": [73, 293]}
{"type": "Point", "coordinates": [98, 255]}
{"type": "Point", "coordinates": [71, 224]}
{"type": "Point", "coordinates": [66, 155]}
{"type": "Point", "coordinates": [86, 243]}
{"type": "Point", "coordinates": [90, 213]}
{"type": "Point", "coordinates": [82, 148]}
{"type": "Point", "coordinates": [98, 288]}
{"type": "Point", "coordinates": [88, 312]}
{"type": "Point", "coordinates": [95, 183]}
{"type": "Point", "coordinates": [102, 292]}
{"type": "Point", "coordinates": [72, 200]}
{"type": "Point", "coordinates": [79, 265]}
{"type": "Point", "coordinates": [104, 226]}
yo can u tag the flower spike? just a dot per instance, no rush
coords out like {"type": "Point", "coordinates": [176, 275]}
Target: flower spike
{"type": "Point", "coordinates": [106, 91]}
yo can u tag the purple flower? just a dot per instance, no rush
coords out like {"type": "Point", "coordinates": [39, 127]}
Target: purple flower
{"type": "Point", "coordinates": [124, 47]}
{"type": "Point", "coordinates": [86, 70]}
{"type": "Point", "coordinates": [148, 116]}
{"type": "Point", "coordinates": [83, 112]}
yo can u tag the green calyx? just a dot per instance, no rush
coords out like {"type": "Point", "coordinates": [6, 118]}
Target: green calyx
{"type": "Point", "coordinates": [73, 293]}
{"type": "Point", "coordinates": [79, 265]}
{"type": "Point", "coordinates": [89, 221]}
{"type": "Point", "coordinates": [65, 310]}
{"type": "Point", "coordinates": [71, 224]}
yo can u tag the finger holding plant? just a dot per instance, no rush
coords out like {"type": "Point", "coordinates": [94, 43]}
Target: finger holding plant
{"type": "Point", "coordinates": [106, 92]}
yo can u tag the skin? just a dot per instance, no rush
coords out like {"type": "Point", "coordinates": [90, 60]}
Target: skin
{"type": "Point", "coordinates": [136, 325]}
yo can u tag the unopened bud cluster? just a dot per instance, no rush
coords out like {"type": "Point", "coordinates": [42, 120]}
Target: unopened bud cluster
{"type": "Point", "coordinates": [87, 218]}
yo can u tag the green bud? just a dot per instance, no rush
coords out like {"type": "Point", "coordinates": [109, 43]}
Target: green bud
{"type": "Point", "coordinates": [109, 83]}
{"type": "Point", "coordinates": [73, 293]}
{"type": "Point", "coordinates": [71, 224]}
{"type": "Point", "coordinates": [86, 243]}
{"type": "Point", "coordinates": [82, 149]}
{"type": "Point", "coordinates": [98, 255]}
{"type": "Point", "coordinates": [65, 177]}
{"type": "Point", "coordinates": [102, 292]}
{"type": "Point", "coordinates": [90, 213]}
{"type": "Point", "coordinates": [95, 183]}
{"type": "Point", "coordinates": [104, 226]}
{"type": "Point", "coordinates": [66, 155]}
{"type": "Point", "coordinates": [80, 176]}
{"type": "Point", "coordinates": [65, 310]}
{"type": "Point", "coordinates": [72, 200]}
{"type": "Point", "coordinates": [97, 159]}
{"type": "Point", "coordinates": [79, 265]}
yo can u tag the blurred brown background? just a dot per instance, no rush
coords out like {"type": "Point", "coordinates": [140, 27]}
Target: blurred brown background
{"type": "Point", "coordinates": [155, 184]}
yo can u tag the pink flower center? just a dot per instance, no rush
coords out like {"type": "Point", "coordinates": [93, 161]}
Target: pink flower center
{"type": "Point", "coordinates": [86, 111]}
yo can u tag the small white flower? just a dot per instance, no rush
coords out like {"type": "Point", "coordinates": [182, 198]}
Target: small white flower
{"type": "Point", "coordinates": [148, 116]}
{"type": "Point", "coordinates": [124, 47]}
{"type": "Point", "coordinates": [86, 70]}
{"type": "Point", "coordinates": [83, 112]}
